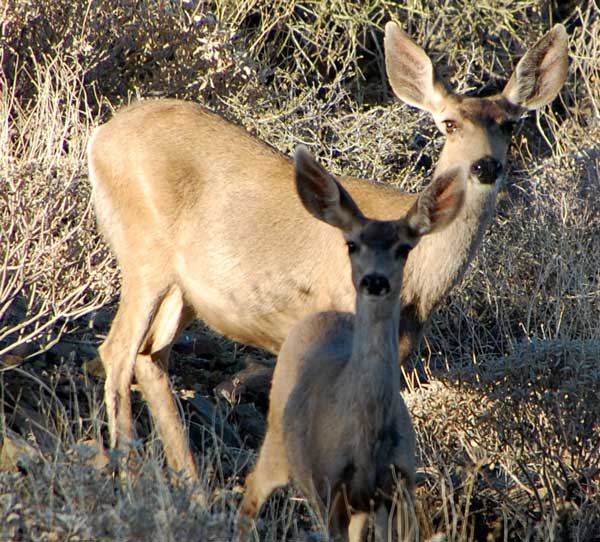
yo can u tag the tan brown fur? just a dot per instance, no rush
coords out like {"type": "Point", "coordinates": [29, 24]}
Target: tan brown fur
{"type": "Point", "coordinates": [202, 220]}
{"type": "Point", "coordinates": [337, 421]}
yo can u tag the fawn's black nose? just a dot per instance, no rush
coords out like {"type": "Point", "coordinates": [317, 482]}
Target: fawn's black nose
{"type": "Point", "coordinates": [375, 284]}
{"type": "Point", "coordinates": [487, 169]}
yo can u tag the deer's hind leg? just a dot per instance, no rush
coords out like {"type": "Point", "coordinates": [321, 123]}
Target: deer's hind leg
{"type": "Point", "coordinates": [151, 371]}
{"type": "Point", "coordinates": [119, 352]}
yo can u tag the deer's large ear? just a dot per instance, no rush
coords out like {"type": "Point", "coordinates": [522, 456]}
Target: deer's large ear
{"type": "Point", "coordinates": [438, 205]}
{"type": "Point", "coordinates": [322, 196]}
{"type": "Point", "coordinates": [411, 73]}
{"type": "Point", "coordinates": [541, 72]}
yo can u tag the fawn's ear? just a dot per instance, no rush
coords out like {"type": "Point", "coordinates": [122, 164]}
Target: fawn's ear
{"type": "Point", "coordinates": [322, 196]}
{"type": "Point", "coordinates": [541, 72]}
{"type": "Point", "coordinates": [411, 73]}
{"type": "Point", "coordinates": [438, 205]}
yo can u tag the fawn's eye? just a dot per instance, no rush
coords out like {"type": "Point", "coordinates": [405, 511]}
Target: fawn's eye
{"type": "Point", "coordinates": [450, 126]}
{"type": "Point", "coordinates": [402, 251]}
{"type": "Point", "coordinates": [351, 247]}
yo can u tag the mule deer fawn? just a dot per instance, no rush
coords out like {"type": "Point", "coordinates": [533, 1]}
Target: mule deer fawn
{"type": "Point", "coordinates": [201, 219]}
{"type": "Point", "coordinates": [337, 421]}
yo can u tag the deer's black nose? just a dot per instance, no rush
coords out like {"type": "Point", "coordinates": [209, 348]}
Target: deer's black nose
{"type": "Point", "coordinates": [487, 169]}
{"type": "Point", "coordinates": [375, 284]}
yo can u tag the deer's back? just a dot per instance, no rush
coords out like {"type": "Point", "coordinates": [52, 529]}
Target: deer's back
{"type": "Point", "coordinates": [163, 160]}
{"type": "Point", "coordinates": [185, 197]}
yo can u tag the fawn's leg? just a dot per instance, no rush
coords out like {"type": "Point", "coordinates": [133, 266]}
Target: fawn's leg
{"type": "Point", "coordinates": [356, 529]}
{"type": "Point", "coordinates": [271, 471]}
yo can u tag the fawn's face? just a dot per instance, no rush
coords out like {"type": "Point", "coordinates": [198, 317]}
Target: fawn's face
{"type": "Point", "coordinates": [378, 249]}
{"type": "Point", "coordinates": [378, 252]}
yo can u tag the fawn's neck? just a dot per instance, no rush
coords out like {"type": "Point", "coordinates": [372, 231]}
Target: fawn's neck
{"type": "Point", "coordinates": [375, 344]}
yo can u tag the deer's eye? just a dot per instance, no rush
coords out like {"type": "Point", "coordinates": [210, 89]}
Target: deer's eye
{"type": "Point", "coordinates": [351, 247]}
{"type": "Point", "coordinates": [402, 251]}
{"type": "Point", "coordinates": [450, 126]}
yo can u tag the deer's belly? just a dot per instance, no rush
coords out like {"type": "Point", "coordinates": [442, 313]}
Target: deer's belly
{"type": "Point", "coordinates": [257, 314]}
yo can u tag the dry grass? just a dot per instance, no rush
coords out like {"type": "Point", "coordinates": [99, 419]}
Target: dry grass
{"type": "Point", "coordinates": [508, 425]}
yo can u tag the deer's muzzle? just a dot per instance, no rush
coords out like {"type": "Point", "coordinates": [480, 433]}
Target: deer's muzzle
{"type": "Point", "coordinates": [487, 169]}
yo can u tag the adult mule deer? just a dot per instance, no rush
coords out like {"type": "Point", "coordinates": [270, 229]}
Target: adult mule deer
{"type": "Point", "coordinates": [201, 219]}
{"type": "Point", "coordinates": [337, 422]}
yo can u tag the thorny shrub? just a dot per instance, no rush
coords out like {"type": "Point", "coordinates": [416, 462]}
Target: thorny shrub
{"type": "Point", "coordinates": [507, 427]}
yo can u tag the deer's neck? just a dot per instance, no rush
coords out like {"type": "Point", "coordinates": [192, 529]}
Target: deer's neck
{"type": "Point", "coordinates": [440, 260]}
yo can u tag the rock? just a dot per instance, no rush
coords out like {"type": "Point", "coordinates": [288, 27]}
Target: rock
{"type": "Point", "coordinates": [17, 309]}
{"type": "Point", "coordinates": [198, 346]}
{"type": "Point", "coordinates": [211, 418]}
{"type": "Point", "coordinates": [251, 385]}
{"type": "Point", "coordinates": [18, 353]}
{"type": "Point", "coordinates": [101, 319]}
{"type": "Point", "coordinates": [68, 350]}
{"type": "Point", "coordinates": [16, 452]}
{"type": "Point", "coordinates": [94, 454]}
{"type": "Point", "coordinates": [11, 360]}
{"type": "Point", "coordinates": [62, 351]}
{"type": "Point", "coordinates": [94, 367]}
{"type": "Point", "coordinates": [260, 358]}
{"type": "Point", "coordinates": [228, 391]}
{"type": "Point", "coordinates": [251, 424]}
{"type": "Point", "coordinates": [28, 421]}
